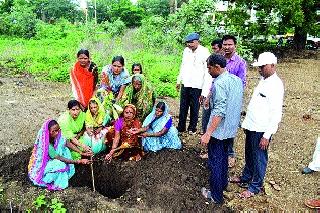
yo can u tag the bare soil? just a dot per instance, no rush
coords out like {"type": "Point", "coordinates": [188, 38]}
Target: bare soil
{"type": "Point", "coordinates": [168, 180]}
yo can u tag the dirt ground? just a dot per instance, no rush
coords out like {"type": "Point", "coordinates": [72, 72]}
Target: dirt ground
{"type": "Point", "coordinates": [168, 180]}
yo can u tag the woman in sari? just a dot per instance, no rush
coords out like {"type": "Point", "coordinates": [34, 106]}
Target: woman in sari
{"type": "Point", "coordinates": [50, 164]}
{"type": "Point", "coordinates": [136, 68]}
{"type": "Point", "coordinates": [115, 78]}
{"type": "Point", "coordinates": [84, 78]}
{"type": "Point", "coordinates": [158, 131]}
{"type": "Point", "coordinates": [141, 94]}
{"type": "Point", "coordinates": [126, 145]}
{"type": "Point", "coordinates": [94, 136]}
{"type": "Point", "coordinates": [72, 127]}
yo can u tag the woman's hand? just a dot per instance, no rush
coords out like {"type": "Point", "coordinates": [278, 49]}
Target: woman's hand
{"type": "Point", "coordinates": [87, 154]}
{"type": "Point", "coordinates": [133, 131]}
{"type": "Point", "coordinates": [108, 157]}
{"type": "Point", "coordinates": [84, 161]}
{"type": "Point", "coordinates": [144, 134]}
{"type": "Point", "coordinates": [86, 148]}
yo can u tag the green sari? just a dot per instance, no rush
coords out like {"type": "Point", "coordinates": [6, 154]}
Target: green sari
{"type": "Point", "coordinates": [71, 127]}
{"type": "Point", "coordinates": [143, 99]}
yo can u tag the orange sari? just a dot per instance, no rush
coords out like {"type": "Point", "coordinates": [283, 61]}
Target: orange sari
{"type": "Point", "coordinates": [82, 83]}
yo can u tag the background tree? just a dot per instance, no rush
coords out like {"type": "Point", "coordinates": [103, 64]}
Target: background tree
{"type": "Point", "coordinates": [155, 7]}
{"type": "Point", "coordinates": [298, 15]}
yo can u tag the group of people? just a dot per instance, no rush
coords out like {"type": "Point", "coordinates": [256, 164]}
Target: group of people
{"type": "Point", "coordinates": [217, 83]}
{"type": "Point", "coordinates": [119, 116]}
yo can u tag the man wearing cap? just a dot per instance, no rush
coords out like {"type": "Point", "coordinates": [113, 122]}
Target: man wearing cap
{"type": "Point", "coordinates": [226, 104]}
{"type": "Point", "coordinates": [194, 80]}
{"type": "Point", "coordinates": [261, 122]}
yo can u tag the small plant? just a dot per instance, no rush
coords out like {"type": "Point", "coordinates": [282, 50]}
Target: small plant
{"type": "Point", "coordinates": [54, 205]}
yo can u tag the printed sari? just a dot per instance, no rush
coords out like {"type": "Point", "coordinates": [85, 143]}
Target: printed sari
{"type": "Point", "coordinates": [129, 145]}
{"type": "Point", "coordinates": [44, 171]}
{"type": "Point", "coordinates": [169, 140]}
{"type": "Point", "coordinates": [143, 99]}
{"type": "Point", "coordinates": [111, 82]}
{"type": "Point", "coordinates": [82, 84]}
{"type": "Point", "coordinates": [96, 141]}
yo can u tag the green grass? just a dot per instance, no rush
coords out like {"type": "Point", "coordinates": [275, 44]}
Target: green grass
{"type": "Point", "coordinates": [51, 59]}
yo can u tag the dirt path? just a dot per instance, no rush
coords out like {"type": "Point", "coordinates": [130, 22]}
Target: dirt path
{"type": "Point", "coordinates": [167, 181]}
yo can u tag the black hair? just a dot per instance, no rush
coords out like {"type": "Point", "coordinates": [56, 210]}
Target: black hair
{"type": "Point", "coordinates": [52, 123]}
{"type": "Point", "coordinates": [136, 65]}
{"type": "Point", "coordinates": [118, 58]}
{"type": "Point", "coordinates": [218, 42]}
{"type": "Point", "coordinates": [93, 102]}
{"type": "Point", "coordinates": [227, 37]}
{"type": "Point", "coordinates": [73, 103]}
{"type": "Point", "coordinates": [161, 105]}
{"type": "Point", "coordinates": [217, 59]}
{"type": "Point", "coordinates": [83, 51]}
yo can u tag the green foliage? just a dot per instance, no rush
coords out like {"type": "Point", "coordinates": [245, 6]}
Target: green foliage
{"type": "Point", "coordinates": [112, 10]}
{"type": "Point", "coordinates": [44, 204]}
{"type": "Point", "coordinates": [155, 7]}
{"type": "Point", "coordinates": [20, 21]}
{"type": "Point", "coordinates": [51, 10]}
{"type": "Point", "coordinates": [115, 28]}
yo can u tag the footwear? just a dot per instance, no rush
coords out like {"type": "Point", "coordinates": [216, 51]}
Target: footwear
{"type": "Point", "coordinates": [231, 161]}
{"type": "Point", "coordinates": [234, 179]}
{"type": "Point", "coordinates": [307, 170]}
{"type": "Point", "coordinates": [246, 194]}
{"type": "Point", "coordinates": [192, 133]}
{"type": "Point", "coordinates": [204, 156]}
{"type": "Point", "coordinates": [207, 194]}
{"type": "Point", "coordinates": [313, 203]}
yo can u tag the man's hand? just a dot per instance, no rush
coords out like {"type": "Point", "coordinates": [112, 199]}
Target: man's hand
{"type": "Point", "coordinates": [206, 103]}
{"type": "Point", "coordinates": [205, 139]}
{"type": "Point", "coordinates": [178, 87]}
{"type": "Point", "coordinates": [264, 143]}
{"type": "Point", "coordinates": [201, 99]}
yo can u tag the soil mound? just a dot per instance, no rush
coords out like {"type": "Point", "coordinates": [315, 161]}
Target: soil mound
{"type": "Point", "coordinates": [169, 180]}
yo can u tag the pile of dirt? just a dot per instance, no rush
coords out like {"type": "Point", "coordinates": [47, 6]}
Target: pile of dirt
{"type": "Point", "coordinates": [169, 180]}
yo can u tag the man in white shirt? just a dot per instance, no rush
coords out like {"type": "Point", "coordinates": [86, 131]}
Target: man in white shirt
{"type": "Point", "coordinates": [261, 122]}
{"type": "Point", "coordinates": [194, 81]}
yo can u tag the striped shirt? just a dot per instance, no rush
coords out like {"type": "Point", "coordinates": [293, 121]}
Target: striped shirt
{"type": "Point", "coordinates": [226, 102]}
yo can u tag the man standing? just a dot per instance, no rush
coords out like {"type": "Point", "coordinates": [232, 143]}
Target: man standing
{"type": "Point", "coordinates": [263, 116]}
{"type": "Point", "coordinates": [237, 66]}
{"type": "Point", "coordinates": [195, 82]}
{"type": "Point", "coordinates": [226, 103]}
{"type": "Point", "coordinates": [216, 46]}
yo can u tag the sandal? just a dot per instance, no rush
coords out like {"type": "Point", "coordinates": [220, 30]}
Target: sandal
{"type": "Point", "coordinates": [204, 156]}
{"type": "Point", "coordinates": [231, 162]}
{"type": "Point", "coordinates": [246, 194]}
{"type": "Point", "coordinates": [313, 203]}
{"type": "Point", "coordinates": [235, 179]}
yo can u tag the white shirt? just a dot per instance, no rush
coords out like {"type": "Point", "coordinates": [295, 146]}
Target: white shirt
{"type": "Point", "coordinates": [194, 71]}
{"type": "Point", "coordinates": [265, 108]}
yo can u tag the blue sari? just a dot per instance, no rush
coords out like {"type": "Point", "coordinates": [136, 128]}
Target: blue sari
{"type": "Point", "coordinates": [169, 140]}
{"type": "Point", "coordinates": [52, 174]}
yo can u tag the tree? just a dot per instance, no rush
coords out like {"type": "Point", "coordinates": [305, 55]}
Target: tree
{"type": "Point", "coordinates": [155, 7]}
{"type": "Point", "coordinates": [112, 10]}
{"type": "Point", "coordinates": [299, 15]}
{"type": "Point", "coordinates": [51, 10]}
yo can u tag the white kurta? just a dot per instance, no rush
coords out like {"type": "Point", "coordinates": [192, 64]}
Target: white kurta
{"type": "Point", "coordinates": [315, 163]}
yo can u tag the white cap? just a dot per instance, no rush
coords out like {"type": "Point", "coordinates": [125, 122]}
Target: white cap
{"type": "Point", "coordinates": [265, 58]}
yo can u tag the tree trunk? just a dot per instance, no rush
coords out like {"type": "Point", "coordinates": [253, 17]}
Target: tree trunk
{"type": "Point", "coordinates": [300, 38]}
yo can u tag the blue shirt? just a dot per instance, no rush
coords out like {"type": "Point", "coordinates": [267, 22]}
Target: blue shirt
{"type": "Point", "coordinates": [226, 102]}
